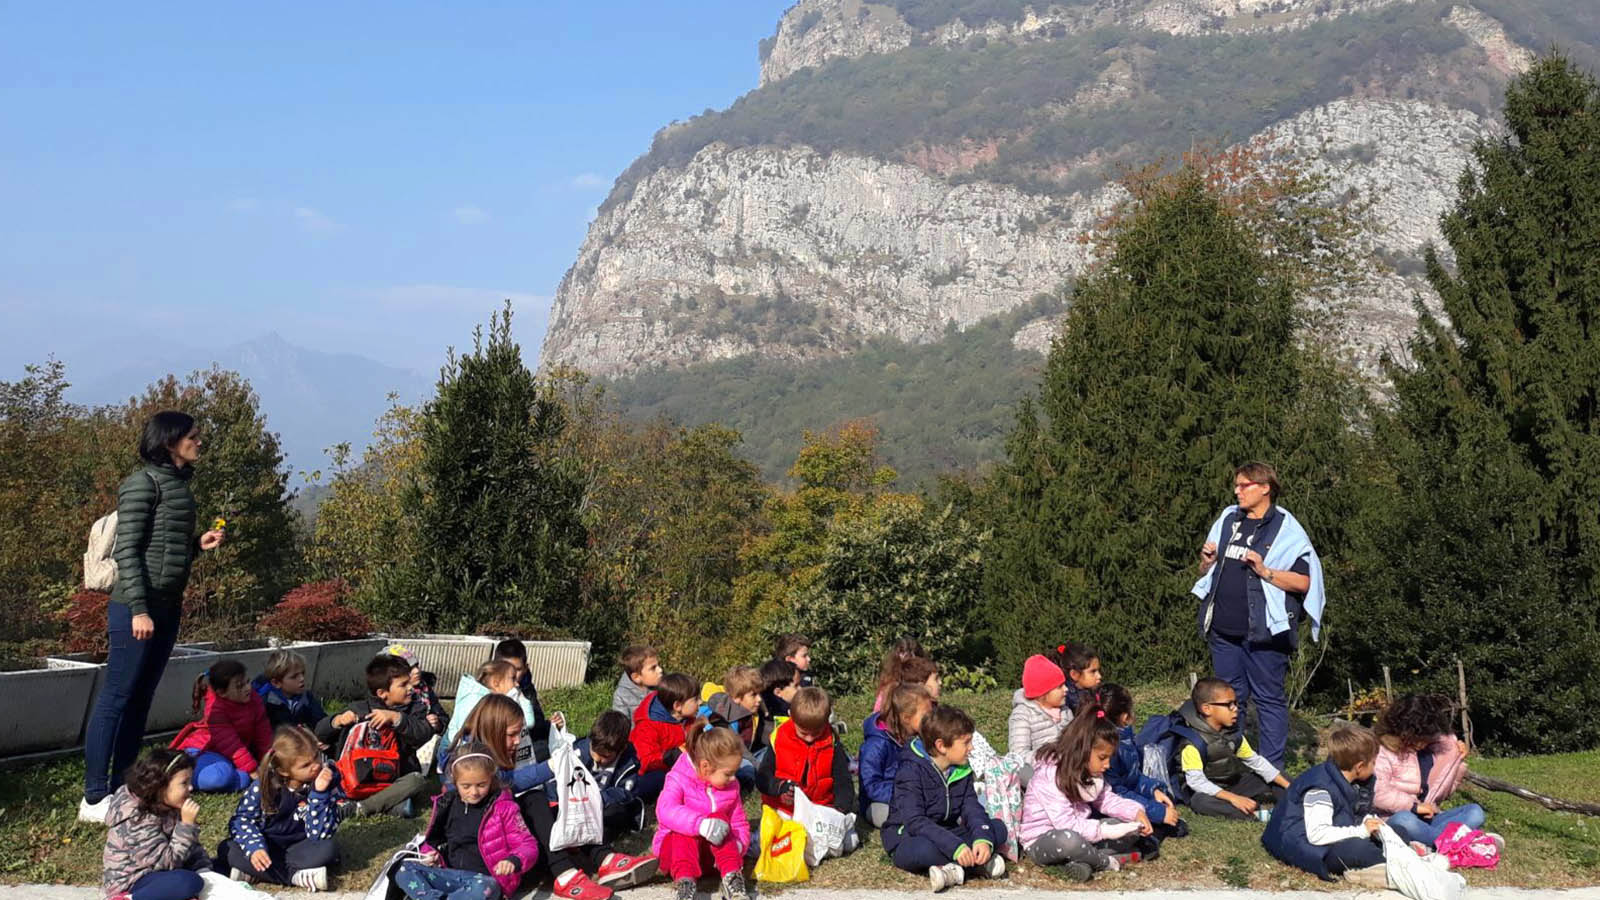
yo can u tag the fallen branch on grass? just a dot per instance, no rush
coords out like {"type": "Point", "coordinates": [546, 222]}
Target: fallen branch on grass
{"type": "Point", "coordinates": [1555, 803]}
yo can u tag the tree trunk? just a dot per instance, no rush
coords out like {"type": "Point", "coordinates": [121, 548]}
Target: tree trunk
{"type": "Point", "coordinates": [1555, 803]}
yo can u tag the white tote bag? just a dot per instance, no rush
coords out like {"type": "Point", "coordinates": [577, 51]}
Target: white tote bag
{"type": "Point", "coordinates": [825, 828]}
{"type": "Point", "coordinates": [580, 813]}
{"type": "Point", "coordinates": [1414, 876]}
{"type": "Point", "coordinates": [221, 887]}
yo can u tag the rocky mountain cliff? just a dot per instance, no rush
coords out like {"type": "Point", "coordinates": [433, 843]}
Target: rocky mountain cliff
{"type": "Point", "coordinates": [918, 165]}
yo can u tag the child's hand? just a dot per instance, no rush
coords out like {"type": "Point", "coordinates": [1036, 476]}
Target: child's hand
{"type": "Point", "coordinates": [1427, 810]}
{"type": "Point", "coordinates": [966, 859]}
{"type": "Point", "coordinates": [260, 861]}
{"type": "Point", "coordinates": [190, 813]}
{"type": "Point", "coordinates": [1372, 824]}
{"type": "Point", "coordinates": [433, 721]}
{"type": "Point", "coordinates": [384, 718]}
{"type": "Point", "coordinates": [1242, 804]}
{"type": "Point", "coordinates": [715, 831]}
{"type": "Point", "coordinates": [558, 719]}
{"type": "Point", "coordinates": [981, 854]}
{"type": "Point", "coordinates": [1171, 815]}
{"type": "Point", "coordinates": [1145, 828]}
{"type": "Point", "coordinates": [1461, 748]}
{"type": "Point", "coordinates": [345, 719]}
{"type": "Point", "coordinates": [430, 858]}
{"type": "Point", "coordinates": [324, 779]}
{"type": "Point", "coordinates": [504, 867]}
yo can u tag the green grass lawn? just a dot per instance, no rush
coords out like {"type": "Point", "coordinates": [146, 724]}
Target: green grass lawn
{"type": "Point", "coordinates": [45, 843]}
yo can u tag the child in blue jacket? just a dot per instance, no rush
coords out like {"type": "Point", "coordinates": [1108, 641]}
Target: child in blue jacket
{"type": "Point", "coordinates": [1126, 775]}
{"type": "Point", "coordinates": [883, 737]}
{"type": "Point", "coordinates": [936, 822]}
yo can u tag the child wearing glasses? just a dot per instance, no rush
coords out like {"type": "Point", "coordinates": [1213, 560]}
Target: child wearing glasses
{"type": "Point", "coordinates": [1225, 777]}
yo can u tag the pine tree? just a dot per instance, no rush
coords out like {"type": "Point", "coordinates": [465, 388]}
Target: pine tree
{"type": "Point", "coordinates": [1176, 362]}
{"type": "Point", "coordinates": [1488, 547]}
{"type": "Point", "coordinates": [499, 535]}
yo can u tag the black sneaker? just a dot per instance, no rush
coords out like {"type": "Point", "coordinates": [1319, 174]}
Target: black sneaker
{"type": "Point", "coordinates": [684, 888]}
{"type": "Point", "coordinates": [733, 887]}
{"type": "Point", "coordinates": [1080, 872]}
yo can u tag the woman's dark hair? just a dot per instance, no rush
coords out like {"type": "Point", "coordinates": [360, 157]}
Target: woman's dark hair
{"type": "Point", "coordinates": [148, 778]}
{"type": "Point", "coordinates": [1117, 702]}
{"type": "Point", "coordinates": [164, 429]}
{"type": "Point", "coordinates": [1414, 718]}
{"type": "Point", "coordinates": [889, 674]}
{"type": "Point", "coordinates": [1070, 751]}
{"type": "Point", "coordinates": [219, 676]}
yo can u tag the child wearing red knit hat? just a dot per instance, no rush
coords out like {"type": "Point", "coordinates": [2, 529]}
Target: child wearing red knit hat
{"type": "Point", "coordinates": [1037, 716]}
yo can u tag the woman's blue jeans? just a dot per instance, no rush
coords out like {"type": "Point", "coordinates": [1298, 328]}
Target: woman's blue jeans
{"type": "Point", "coordinates": [133, 669]}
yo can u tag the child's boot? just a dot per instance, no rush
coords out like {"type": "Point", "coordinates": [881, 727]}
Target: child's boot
{"type": "Point", "coordinates": [683, 889]}
{"type": "Point", "coordinates": [733, 887]}
{"type": "Point", "coordinates": [1080, 872]}
{"type": "Point", "coordinates": [946, 876]}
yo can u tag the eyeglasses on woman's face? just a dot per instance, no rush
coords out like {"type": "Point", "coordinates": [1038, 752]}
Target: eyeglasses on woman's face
{"type": "Point", "coordinates": [1239, 486]}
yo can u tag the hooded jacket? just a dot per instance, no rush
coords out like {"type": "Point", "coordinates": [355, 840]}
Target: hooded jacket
{"type": "Point", "coordinates": [468, 693]}
{"type": "Point", "coordinates": [283, 709]}
{"type": "Point", "coordinates": [656, 732]}
{"type": "Point", "coordinates": [501, 836]}
{"type": "Point", "coordinates": [1045, 808]}
{"type": "Point", "coordinates": [139, 842]}
{"type": "Point", "coordinates": [820, 768]}
{"type": "Point", "coordinates": [1031, 727]}
{"type": "Point", "coordinates": [722, 712]}
{"type": "Point", "coordinates": [1126, 777]}
{"type": "Point", "coordinates": [940, 807]}
{"type": "Point", "coordinates": [627, 695]}
{"type": "Point", "coordinates": [155, 544]}
{"type": "Point", "coordinates": [879, 761]}
{"type": "Point", "coordinates": [686, 801]}
{"type": "Point", "coordinates": [239, 731]}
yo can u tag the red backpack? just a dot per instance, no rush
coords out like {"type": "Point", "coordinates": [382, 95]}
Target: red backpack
{"type": "Point", "coordinates": [369, 761]}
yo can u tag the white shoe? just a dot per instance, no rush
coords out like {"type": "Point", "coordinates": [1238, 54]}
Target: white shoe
{"type": "Point", "coordinates": [995, 867]}
{"type": "Point", "coordinates": [94, 813]}
{"type": "Point", "coordinates": [946, 876]}
{"type": "Point", "coordinates": [1499, 842]}
{"type": "Point", "coordinates": [243, 877]}
{"type": "Point", "coordinates": [310, 879]}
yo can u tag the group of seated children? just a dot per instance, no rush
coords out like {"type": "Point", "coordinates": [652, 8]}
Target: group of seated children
{"type": "Point", "coordinates": [926, 778]}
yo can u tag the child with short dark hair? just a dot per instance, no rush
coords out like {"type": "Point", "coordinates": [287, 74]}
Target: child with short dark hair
{"type": "Point", "coordinates": [283, 689]}
{"type": "Point", "coordinates": [1126, 775]}
{"type": "Point", "coordinates": [936, 823]}
{"type": "Point", "coordinates": [475, 843]}
{"type": "Point", "coordinates": [153, 846]}
{"type": "Point", "coordinates": [424, 695]}
{"type": "Point", "coordinates": [779, 682]}
{"type": "Point", "coordinates": [229, 739]}
{"type": "Point", "coordinates": [515, 652]}
{"type": "Point", "coordinates": [609, 756]}
{"type": "Point", "coordinates": [884, 735]}
{"type": "Point", "coordinates": [805, 757]}
{"type": "Point", "coordinates": [1223, 773]}
{"type": "Point", "coordinates": [1325, 824]}
{"type": "Point", "coordinates": [641, 673]}
{"type": "Point", "coordinates": [387, 706]}
{"type": "Point", "coordinates": [659, 727]}
{"type": "Point", "coordinates": [700, 815]}
{"type": "Point", "coordinates": [282, 831]}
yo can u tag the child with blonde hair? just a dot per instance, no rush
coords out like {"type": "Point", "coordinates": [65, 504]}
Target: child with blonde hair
{"type": "Point", "coordinates": [283, 689]}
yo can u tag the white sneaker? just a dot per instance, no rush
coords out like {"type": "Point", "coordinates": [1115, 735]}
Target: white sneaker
{"type": "Point", "coordinates": [995, 867]}
{"type": "Point", "coordinates": [310, 879]}
{"type": "Point", "coordinates": [94, 813]}
{"type": "Point", "coordinates": [243, 877]}
{"type": "Point", "coordinates": [946, 876]}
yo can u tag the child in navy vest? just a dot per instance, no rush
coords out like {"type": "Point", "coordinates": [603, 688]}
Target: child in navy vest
{"type": "Point", "coordinates": [1325, 823]}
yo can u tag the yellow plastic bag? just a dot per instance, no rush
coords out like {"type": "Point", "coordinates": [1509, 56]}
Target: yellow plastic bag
{"type": "Point", "coordinates": [783, 849]}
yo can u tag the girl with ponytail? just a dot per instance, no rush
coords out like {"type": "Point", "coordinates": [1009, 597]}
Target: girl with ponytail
{"type": "Point", "coordinates": [282, 831]}
{"type": "Point", "coordinates": [699, 813]}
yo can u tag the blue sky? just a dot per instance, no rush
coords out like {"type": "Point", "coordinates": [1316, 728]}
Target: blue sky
{"type": "Point", "coordinates": [359, 177]}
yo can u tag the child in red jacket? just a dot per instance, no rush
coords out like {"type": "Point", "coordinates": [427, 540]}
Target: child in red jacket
{"type": "Point", "coordinates": [659, 729]}
{"type": "Point", "coordinates": [233, 733]}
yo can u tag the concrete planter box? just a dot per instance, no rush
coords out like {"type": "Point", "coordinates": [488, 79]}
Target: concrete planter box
{"type": "Point", "coordinates": [341, 668]}
{"type": "Point", "coordinates": [558, 664]}
{"type": "Point", "coordinates": [172, 706]}
{"type": "Point", "coordinates": [45, 708]}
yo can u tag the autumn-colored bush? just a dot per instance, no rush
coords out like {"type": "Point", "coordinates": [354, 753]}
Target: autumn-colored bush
{"type": "Point", "coordinates": [85, 618]}
{"type": "Point", "coordinates": [315, 612]}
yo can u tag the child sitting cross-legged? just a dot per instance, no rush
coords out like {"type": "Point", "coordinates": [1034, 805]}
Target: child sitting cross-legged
{"type": "Point", "coordinates": [1420, 764]}
{"type": "Point", "coordinates": [805, 757]}
{"type": "Point", "coordinates": [475, 845]}
{"type": "Point", "coordinates": [282, 831]}
{"type": "Point", "coordinates": [387, 707]}
{"type": "Point", "coordinates": [884, 735]}
{"type": "Point", "coordinates": [1068, 789]}
{"type": "Point", "coordinates": [283, 689]}
{"type": "Point", "coordinates": [659, 729]}
{"type": "Point", "coordinates": [610, 757]}
{"type": "Point", "coordinates": [1224, 774]}
{"type": "Point", "coordinates": [1036, 714]}
{"type": "Point", "coordinates": [232, 733]}
{"type": "Point", "coordinates": [701, 819]}
{"type": "Point", "coordinates": [1126, 775]}
{"type": "Point", "coordinates": [936, 823]}
{"type": "Point", "coordinates": [153, 849]}
{"type": "Point", "coordinates": [1325, 824]}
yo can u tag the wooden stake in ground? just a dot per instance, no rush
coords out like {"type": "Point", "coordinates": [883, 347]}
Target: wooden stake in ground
{"type": "Point", "coordinates": [1461, 691]}
{"type": "Point", "coordinates": [1388, 687]}
{"type": "Point", "coordinates": [1555, 803]}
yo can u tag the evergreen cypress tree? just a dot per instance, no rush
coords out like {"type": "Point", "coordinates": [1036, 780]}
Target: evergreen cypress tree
{"type": "Point", "coordinates": [1176, 362]}
{"type": "Point", "coordinates": [499, 535]}
{"type": "Point", "coordinates": [1488, 547]}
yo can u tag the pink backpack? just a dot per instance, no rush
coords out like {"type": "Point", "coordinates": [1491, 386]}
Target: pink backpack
{"type": "Point", "coordinates": [1468, 848]}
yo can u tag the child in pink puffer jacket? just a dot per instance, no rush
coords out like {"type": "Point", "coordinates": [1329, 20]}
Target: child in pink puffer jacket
{"type": "Point", "coordinates": [476, 843]}
{"type": "Point", "coordinates": [1420, 764]}
{"type": "Point", "coordinates": [699, 815]}
{"type": "Point", "coordinates": [1067, 788]}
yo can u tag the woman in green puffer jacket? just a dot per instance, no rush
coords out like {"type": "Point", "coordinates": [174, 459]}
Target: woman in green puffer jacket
{"type": "Point", "coordinates": [155, 548]}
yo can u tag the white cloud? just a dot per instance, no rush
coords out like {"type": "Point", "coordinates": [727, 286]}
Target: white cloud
{"type": "Point", "coordinates": [470, 215]}
{"type": "Point", "coordinates": [588, 181]}
{"type": "Point", "coordinates": [314, 221]}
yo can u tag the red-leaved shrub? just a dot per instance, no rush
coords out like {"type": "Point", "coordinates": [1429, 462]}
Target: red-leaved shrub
{"type": "Point", "coordinates": [315, 612]}
{"type": "Point", "coordinates": [85, 617]}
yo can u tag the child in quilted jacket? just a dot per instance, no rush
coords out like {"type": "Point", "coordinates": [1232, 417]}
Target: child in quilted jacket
{"type": "Point", "coordinates": [233, 731]}
{"type": "Point", "coordinates": [1420, 764]}
{"type": "Point", "coordinates": [1036, 714]}
{"type": "Point", "coordinates": [1059, 825]}
{"type": "Point", "coordinates": [282, 831]}
{"type": "Point", "coordinates": [659, 729]}
{"type": "Point", "coordinates": [1126, 775]}
{"type": "Point", "coordinates": [476, 844]}
{"type": "Point", "coordinates": [699, 814]}
{"type": "Point", "coordinates": [883, 736]}
{"type": "Point", "coordinates": [153, 848]}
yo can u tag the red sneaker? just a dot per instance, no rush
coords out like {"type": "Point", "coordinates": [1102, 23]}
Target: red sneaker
{"type": "Point", "coordinates": [627, 871]}
{"type": "Point", "coordinates": [579, 887]}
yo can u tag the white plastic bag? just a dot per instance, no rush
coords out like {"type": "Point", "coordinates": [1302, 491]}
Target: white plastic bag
{"type": "Point", "coordinates": [580, 812]}
{"type": "Point", "coordinates": [1414, 876]}
{"type": "Point", "coordinates": [383, 887]}
{"type": "Point", "coordinates": [825, 828]}
{"type": "Point", "coordinates": [221, 887]}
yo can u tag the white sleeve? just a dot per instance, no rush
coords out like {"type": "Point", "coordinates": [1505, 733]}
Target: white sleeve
{"type": "Point", "coordinates": [1198, 782]}
{"type": "Point", "coordinates": [1259, 765]}
{"type": "Point", "coordinates": [1320, 829]}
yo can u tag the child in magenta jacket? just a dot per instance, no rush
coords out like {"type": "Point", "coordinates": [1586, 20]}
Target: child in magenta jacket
{"type": "Point", "coordinates": [699, 815]}
{"type": "Point", "coordinates": [233, 732]}
{"type": "Point", "coordinates": [476, 843]}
